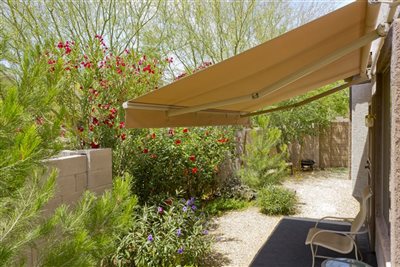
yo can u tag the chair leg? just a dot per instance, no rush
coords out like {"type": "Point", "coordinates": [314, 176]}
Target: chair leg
{"type": "Point", "coordinates": [313, 255]}
{"type": "Point", "coordinates": [356, 250]}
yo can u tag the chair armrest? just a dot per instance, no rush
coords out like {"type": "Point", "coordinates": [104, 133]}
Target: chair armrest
{"type": "Point", "coordinates": [333, 217]}
{"type": "Point", "coordinates": [345, 233]}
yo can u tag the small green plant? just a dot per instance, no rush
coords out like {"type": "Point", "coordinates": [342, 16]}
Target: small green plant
{"type": "Point", "coordinates": [264, 160]}
{"type": "Point", "coordinates": [170, 234]}
{"type": "Point", "coordinates": [220, 205]}
{"type": "Point", "coordinates": [277, 200]}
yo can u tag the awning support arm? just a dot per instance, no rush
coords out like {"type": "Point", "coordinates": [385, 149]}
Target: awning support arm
{"type": "Point", "coordinates": [308, 100]}
{"type": "Point", "coordinates": [360, 42]}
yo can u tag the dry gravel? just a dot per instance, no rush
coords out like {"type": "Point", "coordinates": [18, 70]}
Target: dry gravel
{"type": "Point", "coordinates": [240, 234]}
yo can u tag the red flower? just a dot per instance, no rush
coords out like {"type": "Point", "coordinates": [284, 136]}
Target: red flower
{"type": "Point", "coordinates": [123, 136]}
{"type": "Point", "coordinates": [91, 127]}
{"type": "Point", "coordinates": [153, 136]}
{"type": "Point", "coordinates": [39, 120]}
{"type": "Point", "coordinates": [113, 110]}
{"type": "Point", "coordinates": [153, 156]}
{"type": "Point", "coordinates": [93, 92]}
{"type": "Point", "coordinates": [119, 71]}
{"type": "Point", "coordinates": [60, 45]}
{"type": "Point", "coordinates": [223, 140]}
{"type": "Point", "coordinates": [145, 151]}
{"type": "Point", "coordinates": [192, 158]}
{"type": "Point", "coordinates": [95, 121]}
{"type": "Point", "coordinates": [94, 145]}
{"type": "Point", "coordinates": [171, 132]}
{"type": "Point", "coordinates": [122, 125]}
{"type": "Point", "coordinates": [194, 170]}
{"type": "Point", "coordinates": [68, 50]}
{"type": "Point", "coordinates": [51, 61]}
{"type": "Point", "coordinates": [80, 129]}
{"type": "Point", "coordinates": [185, 130]}
{"type": "Point", "coordinates": [178, 142]}
{"type": "Point", "coordinates": [168, 202]}
{"type": "Point", "coordinates": [148, 69]}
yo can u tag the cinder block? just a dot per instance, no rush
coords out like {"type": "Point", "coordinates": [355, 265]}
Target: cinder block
{"type": "Point", "coordinates": [101, 189]}
{"type": "Point", "coordinates": [65, 184]}
{"type": "Point", "coordinates": [72, 199]}
{"type": "Point", "coordinates": [99, 178]}
{"type": "Point", "coordinates": [98, 159]}
{"type": "Point", "coordinates": [69, 165]}
{"type": "Point", "coordinates": [81, 181]}
{"type": "Point", "coordinates": [53, 203]}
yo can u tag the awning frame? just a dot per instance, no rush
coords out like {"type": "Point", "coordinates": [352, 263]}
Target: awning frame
{"type": "Point", "coordinates": [380, 31]}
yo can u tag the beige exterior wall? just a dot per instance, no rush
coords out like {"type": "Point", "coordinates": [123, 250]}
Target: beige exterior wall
{"type": "Point", "coordinates": [395, 145]}
{"type": "Point", "coordinates": [386, 163]}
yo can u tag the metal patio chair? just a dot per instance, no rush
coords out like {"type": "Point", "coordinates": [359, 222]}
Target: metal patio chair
{"type": "Point", "coordinates": [340, 241]}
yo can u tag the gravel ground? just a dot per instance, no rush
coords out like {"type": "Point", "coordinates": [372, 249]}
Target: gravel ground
{"type": "Point", "coordinates": [240, 234]}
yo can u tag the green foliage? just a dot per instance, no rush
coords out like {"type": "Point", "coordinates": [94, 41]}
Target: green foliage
{"type": "Point", "coordinates": [171, 234]}
{"type": "Point", "coordinates": [188, 159]}
{"type": "Point", "coordinates": [20, 223]}
{"type": "Point", "coordinates": [95, 84]}
{"type": "Point", "coordinates": [29, 133]}
{"type": "Point", "coordinates": [85, 235]}
{"type": "Point", "coordinates": [264, 159]}
{"type": "Point", "coordinates": [221, 205]}
{"type": "Point", "coordinates": [276, 200]}
{"type": "Point", "coordinates": [305, 120]}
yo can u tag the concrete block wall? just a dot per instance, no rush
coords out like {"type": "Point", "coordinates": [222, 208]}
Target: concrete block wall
{"type": "Point", "coordinates": [329, 149]}
{"type": "Point", "coordinates": [78, 171]}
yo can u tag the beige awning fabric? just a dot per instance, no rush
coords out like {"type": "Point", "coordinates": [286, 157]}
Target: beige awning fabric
{"type": "Point", "coordinates": [331, 48]}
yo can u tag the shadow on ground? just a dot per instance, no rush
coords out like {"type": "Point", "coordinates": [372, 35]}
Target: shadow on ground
{"type": "Point", "coordinates": [285, 247]}
{"type": "Point", "coordinates": [215, 259]}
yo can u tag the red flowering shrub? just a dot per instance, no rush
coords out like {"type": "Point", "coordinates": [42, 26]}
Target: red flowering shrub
{"type": "Point", "coordinates": [95, 84]}
{"type": "Point", "coordinates": [165, 160]}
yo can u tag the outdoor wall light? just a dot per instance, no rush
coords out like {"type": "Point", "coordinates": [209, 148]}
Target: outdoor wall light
{"type": "Point", "coordinates": [369, 120]}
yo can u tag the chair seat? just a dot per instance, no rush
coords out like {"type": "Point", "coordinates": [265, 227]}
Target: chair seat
{"type": "Point", "coordinates": [339, 243]}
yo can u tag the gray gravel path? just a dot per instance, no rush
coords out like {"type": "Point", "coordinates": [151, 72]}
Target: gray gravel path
{"type": "Point", "coordinates": [240, 234]}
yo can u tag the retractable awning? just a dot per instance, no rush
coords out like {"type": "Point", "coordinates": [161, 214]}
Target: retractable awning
{"type": "Point", "coordinates": [331, 48]}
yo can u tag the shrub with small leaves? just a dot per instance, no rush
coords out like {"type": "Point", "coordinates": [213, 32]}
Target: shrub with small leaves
{"type": "Point", "coordinates": [173, 233]}
{"type": "Point", "coordinates": [277, 200]}
{"type": "Point", "coordinates": [220, 205]}
{"type": "Point", "coordinates": [166, 160]}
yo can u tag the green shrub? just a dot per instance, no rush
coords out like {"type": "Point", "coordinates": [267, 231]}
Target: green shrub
{"type": "Point", "coordinates": [171, 234]}
{"type": "Point", "coordinates": [85, 235]}
{"type": "Point", "coordinates": [277, 200]}
{"type": "Point", "coordinates": [220, 205]}
{"type": "Point", "coordinates": [264, 160]}
{"type": "Point", "coordinates": [166, 160]}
